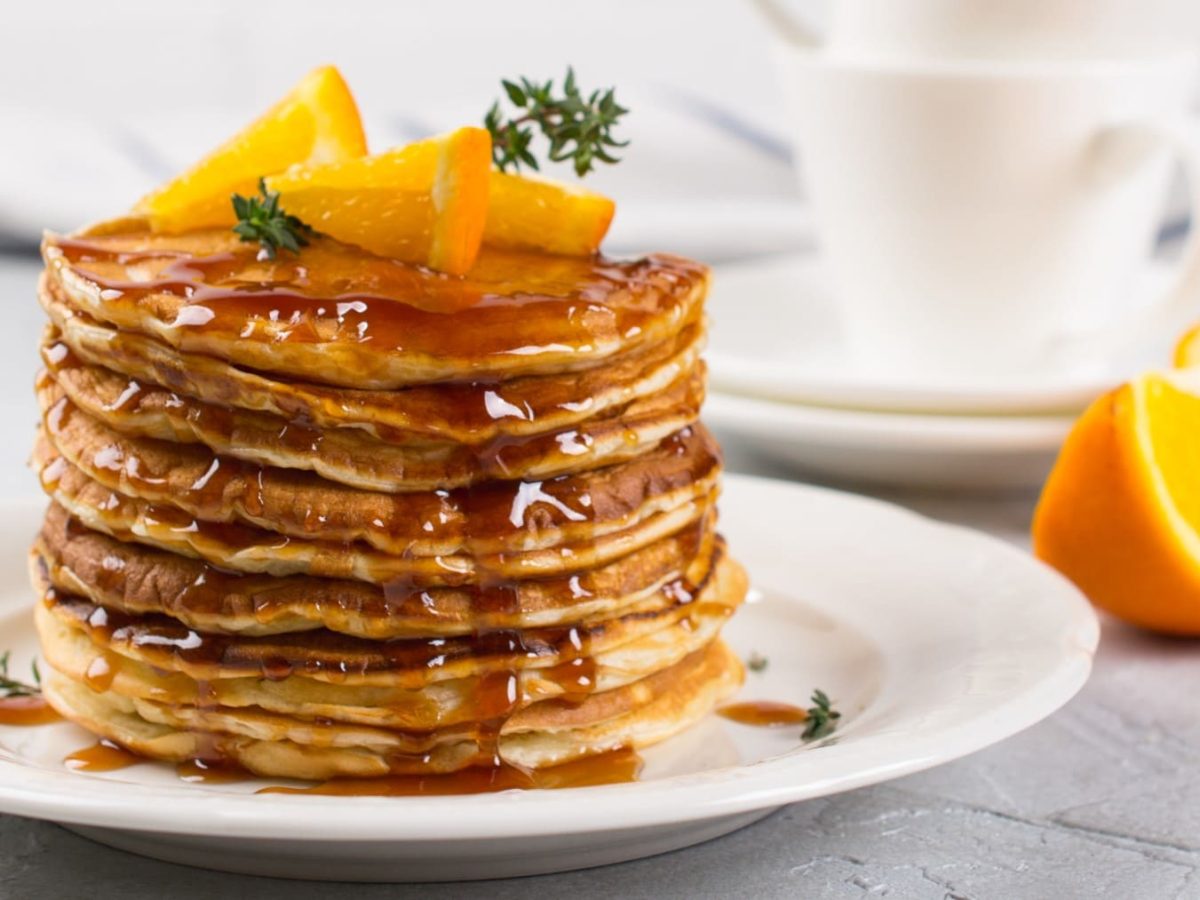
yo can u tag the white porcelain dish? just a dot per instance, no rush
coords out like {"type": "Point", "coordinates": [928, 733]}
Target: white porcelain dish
{"type": "Point", "coordinates": [979, 453]}
{"type": "Point", "coordinates": [935, 642]}
{"type": "Point", "coordinates": [801, 355]}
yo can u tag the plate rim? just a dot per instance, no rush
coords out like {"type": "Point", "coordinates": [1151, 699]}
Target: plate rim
{"type": "Point", "coordinates": [688, 798]}
{"type": "Point", "coordinates": [920, 431]}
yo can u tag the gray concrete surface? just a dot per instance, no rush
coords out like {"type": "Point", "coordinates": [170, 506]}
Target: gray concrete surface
{"type": "Point", "coordinates": [1100, 800]}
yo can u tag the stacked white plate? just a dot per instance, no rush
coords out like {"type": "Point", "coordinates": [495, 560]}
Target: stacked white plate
{"type": "Point", "coordinates": [783, 386]}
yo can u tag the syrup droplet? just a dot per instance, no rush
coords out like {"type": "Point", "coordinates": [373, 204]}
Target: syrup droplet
{"type": "Point", "coordinates": [29, 710]}
{"type": "Point", "coordinates": [102, 756]}
{"type": "Point", "coordinates": [764, 713]}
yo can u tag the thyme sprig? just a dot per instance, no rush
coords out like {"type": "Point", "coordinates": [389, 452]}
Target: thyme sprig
{"type": "Point", "coordinates": [822, 718]}
{"type": "Point", "coordinates": [578, 128]}
{"type": "Point", "coordinates": [13, 687]}
{"type": "Point", "coordinates": [260, 219]}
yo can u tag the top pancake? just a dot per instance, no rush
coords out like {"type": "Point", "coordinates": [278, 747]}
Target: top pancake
{"type": "Point", "coordinates": [338, 315]}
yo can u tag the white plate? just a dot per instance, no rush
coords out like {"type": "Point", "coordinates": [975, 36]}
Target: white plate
{"type": "Point", "coordinates": [935, 641]}
{"type": "Point", "coordinates": [992, 453]}
{"type": "Point", "coordinates": [801, 357]}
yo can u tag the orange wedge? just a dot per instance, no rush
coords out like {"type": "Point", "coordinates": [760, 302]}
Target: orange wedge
{"type": "Point", "coordinates": [1120, 513]}
{"type": "Point", "coordinates": [317, 122]}
{"type": "Point", "coordinates": [536, 214]}
{"type": "Point", "coordinates": [1187, 350]}
{"type": "Point", "coordinates": [423, 203]}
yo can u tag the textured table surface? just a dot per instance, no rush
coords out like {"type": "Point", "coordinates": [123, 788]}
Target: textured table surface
{"type": "Point", "coordinates": [1100, 800]}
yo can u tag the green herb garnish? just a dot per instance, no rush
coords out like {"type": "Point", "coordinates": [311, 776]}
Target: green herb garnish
{"type": "Point", "coordinates": [822, 718]}
{"type": "Point", "coordinates": [757, 662]}
{"type": "Point", "coordinates": [578, 128]}
{"type": "Point", "coordinates": [11, 687]}
{"type": "Point", "coordinates": [261, 219]}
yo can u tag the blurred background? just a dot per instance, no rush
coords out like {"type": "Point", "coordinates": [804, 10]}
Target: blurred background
{"type": "Point", "coordinates": [101, 102]}
{"type": "Point", "coordinates": [100, 105]}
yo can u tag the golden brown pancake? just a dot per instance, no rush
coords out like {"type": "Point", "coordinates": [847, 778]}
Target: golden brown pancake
{"type": "Point", "coordinates": [502, 516]}
{"type": "Point", "coordinates": [353, 457]}
{"type": "Point", "coordinates": [325, 675]}
{"type": "Point", "coordinates": [333, 515]}
{"type": "Point", "coordinates": [136, 579]}
{"type": "Point", "coordinates": [340, 316]}
{"type": "Point", "coordinates": [545, 734]}
{"type": "Point", "coordinates": [467, 412]}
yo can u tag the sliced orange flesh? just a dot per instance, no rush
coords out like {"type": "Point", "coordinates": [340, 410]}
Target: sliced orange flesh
{"type": "Point", "coordinates": [1187, 350]}
{"type": "Point", "coordinates": [424, 203]}
{"type": "Point", "coordinates": [317, 122]}
{"type": "Point", "coordinates": [1120, 513]}
{"type": "Point", "coordinates": [536, 214]}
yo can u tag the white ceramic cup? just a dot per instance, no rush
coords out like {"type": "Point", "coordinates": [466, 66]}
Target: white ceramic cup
{"type": "Point", "coordinates": [974, 29]}
{"type": "Point", "coordinates": [973, 213]}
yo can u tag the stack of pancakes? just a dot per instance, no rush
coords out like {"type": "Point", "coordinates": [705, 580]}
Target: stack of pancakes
{"type": "Point", "coordinates": [331, 515]}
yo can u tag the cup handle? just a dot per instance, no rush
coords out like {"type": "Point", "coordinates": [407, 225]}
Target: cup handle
{"type": "Point", "coordinates": [1118, 148]}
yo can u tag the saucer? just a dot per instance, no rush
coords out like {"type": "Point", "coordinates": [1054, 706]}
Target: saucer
{"type": "Point", "coordinates": [992, 453]}
{"type": "Point", "coordinates": [802, 357]}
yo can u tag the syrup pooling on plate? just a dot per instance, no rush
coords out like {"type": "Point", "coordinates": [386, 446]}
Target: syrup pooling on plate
{"type": "Point", "coordinates": [512, 304]}
{"type": "Point", "coordinates": [764, 713]}
{"type": "Point", "coordinates": [30, 709]}
{"type": "Point", "coordinates": [613, 767]}
{"type": "Point", "coordinates": [102, 756]}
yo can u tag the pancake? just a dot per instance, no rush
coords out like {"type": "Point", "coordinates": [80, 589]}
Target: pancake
{"type": "Point", "coordinates": [410, 663]}
{"type": "Point", "coordinates": [331, 515]}
{"type": "Point", "coordinates": [343, 317]}
{"type": "Point", "coordinates": [78, 451]}
{"type": "Point", "coordinates": [546, 734]}
{"type": "Point", "coordinates": [467, 412]}
{"type": "Point", "coordinates": [329, 676]}
{"type": "Point", "coordinates": [353, 457]}
{"type": "Point", "coordinates": [135, 579]}
{"type": "Point", "coordinates": [245, 548]}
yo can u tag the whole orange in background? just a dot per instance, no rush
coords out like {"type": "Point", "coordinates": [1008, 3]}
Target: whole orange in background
{"type": "Point", "coordinates": [1120, 513]}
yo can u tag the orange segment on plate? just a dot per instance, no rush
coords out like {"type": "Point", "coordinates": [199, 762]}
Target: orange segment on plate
{"type": "Point", "coordinates": [1120, 513]}
{"type": "Point", "coordinates": [424, 203]}
{"type": "Point", "coordinates": [536, 214]}
{"type": "Point", "coordinates": [317, 122]}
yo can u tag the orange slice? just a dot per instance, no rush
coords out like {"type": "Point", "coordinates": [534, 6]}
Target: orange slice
{"type": "Point", "coordinates": [423, 203]}
{"type": "Point", "coordinates": [317, 122]}
{"type": "Point", "coordinates": [1187, 350]}
{"type": "Point", "coordinates": [537, 214]}
{"type": "Point", "coordinates": [1120, 513]}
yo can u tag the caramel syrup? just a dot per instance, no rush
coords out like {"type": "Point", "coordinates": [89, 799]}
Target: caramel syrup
{"type": "Point", "coordinates": [512, 304]}
{"type": "Point", "coordinates": [614, 767]}
{"type": "Point", "coordinates": [102, 756]}
{"type": "Point", "coordinates": [28, 710]}
{"type": "Point", "coordinates": [199, 771]}
{"type": "Point", "coordinates": [478, 518]}
{"type": "Point", "coordinates": [764, 713]}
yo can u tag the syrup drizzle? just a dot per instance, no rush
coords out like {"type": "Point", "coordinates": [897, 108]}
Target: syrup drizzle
{"type": "Point", "coordinates": [27, 710]}
{"type": "Point", "coordinates": [102, 756]}
{"type": "Point", "coordinates": [514, 307]}
{"type": "Point", "coordinates": [613, 767]}
{"type": "Point", "coordinates": [764, 713]}
{"type": "Point", "coordinates": [200, 771]}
